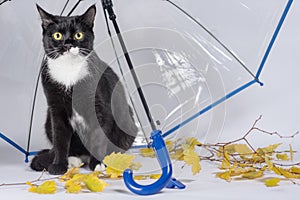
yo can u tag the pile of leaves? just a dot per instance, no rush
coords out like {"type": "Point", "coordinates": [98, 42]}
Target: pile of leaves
{"type": "Point", "coordinates": [238, 159]}
{"type": "Point", "coordinates": [181, 151]}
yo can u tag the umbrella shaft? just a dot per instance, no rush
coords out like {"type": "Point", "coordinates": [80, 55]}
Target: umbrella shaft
{"type": "Point", "coordinates": [107, 4]}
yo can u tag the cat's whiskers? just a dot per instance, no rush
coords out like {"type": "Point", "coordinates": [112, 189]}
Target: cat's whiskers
{"type": "Point", "coordinates": [85, 51]}
{"type": "Point", "coordinates": [54, 53]}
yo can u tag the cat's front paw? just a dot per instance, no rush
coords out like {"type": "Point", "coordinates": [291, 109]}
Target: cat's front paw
{"type": "Point", "coordinates": [42, 160]}
{"type": "Point", "coordinates": [57, 169]}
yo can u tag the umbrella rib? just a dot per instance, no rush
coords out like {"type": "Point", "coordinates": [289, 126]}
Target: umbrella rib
{"type": "Point", "coordinates": [4, 2]}
{"type": "Point", "coordinates": [212, 35]}
{"type": "Point", "coordinates": [63, 10]}
{"type": "Point", "coordinates": [74, 7]}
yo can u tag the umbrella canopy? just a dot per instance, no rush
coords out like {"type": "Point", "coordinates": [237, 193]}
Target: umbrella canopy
{"type": "Point", "coordinates": [189, 56]}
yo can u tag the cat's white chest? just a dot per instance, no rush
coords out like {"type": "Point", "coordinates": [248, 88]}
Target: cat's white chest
{"type": "Point", "coordinates": [68, 69]}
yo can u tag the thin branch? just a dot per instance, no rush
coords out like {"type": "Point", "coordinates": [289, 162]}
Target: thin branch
{"type": "Point", "coordinates": [40, 178]}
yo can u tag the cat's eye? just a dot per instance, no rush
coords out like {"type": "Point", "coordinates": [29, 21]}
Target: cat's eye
{"type": "Point", "coordinates": [78, 36]}
{"type": "Point", "coordinates": [57, 36]}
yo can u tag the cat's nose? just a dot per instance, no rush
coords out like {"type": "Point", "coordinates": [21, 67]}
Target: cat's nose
{"type": "Point", "coordinates": [67, 47]}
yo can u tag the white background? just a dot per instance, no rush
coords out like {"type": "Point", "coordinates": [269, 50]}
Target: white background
{"type": "Point", "coordinates": [277, 101]}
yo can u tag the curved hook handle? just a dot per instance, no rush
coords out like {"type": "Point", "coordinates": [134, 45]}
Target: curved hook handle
{"type": "Point", "coordinates": [162, 155]}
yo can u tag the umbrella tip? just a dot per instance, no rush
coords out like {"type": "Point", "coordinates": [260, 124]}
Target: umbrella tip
{"type": "Point", "coordinates": [259, 82]}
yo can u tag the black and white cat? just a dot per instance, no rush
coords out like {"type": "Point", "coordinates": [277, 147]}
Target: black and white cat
{"type": "Point", "coordinates": [88, 114]}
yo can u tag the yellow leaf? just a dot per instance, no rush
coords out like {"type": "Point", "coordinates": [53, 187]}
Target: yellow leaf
{"type": "Point", "coordinates": [230, 149]}
{"type": "Point", "coordinates": [77, 179]}
{"type": "Point", "coordinates": [269, 163]}
{"type": "Point", "coordinates": [177, 155]}
{"type": "Point", "coordinates": [114, 173]}
{"type": "Point", "coordinates": [295, 170]}
{"type": "Point", "coordinates": [140, 177]}
{"type": "Point", "coordinates": [190, 143]}
{"type": "Point", "coordinates": [236, 171]}
{"type": "Point", "coordinates": [285, 173]}
{"type": "Point", "coordinates": [155, 176]}
{"type": "Point", "coordinates": [224, 175]}
{"type": "Point", "coordinates": [272, 182]}
{"type": "Point", "coordinates": [94, 184]}
{"type": "Point", "coordinates": [148, 152]}
{"type": "Point", "coordinates": [48, 187]}
{"type": "Point", "coordinates": [74, 188]}
{"type": "Point", "coordinates": [117, 163]}
{"type": "Point", "coordinates": [245, 165]}
{"type": "Point", "coordinates": [269, 149]}
{"type": "Point", "coordinates": [282, 156]}
{"type": "Point", "coordinates": [291, 153]}
{"type": "Point", "coordinates": [242, 149]}
{"type": "Point", "coordinates": [135, 165]}
{"type": "Point", "coordinates": [69, 174]}
{"type": "Point", "coordinates": [257, 158]}
{"type": "Point", "coordinates": [192, 158]}
{"type": "Point", "coordinates": [253, 175]}
{"type": "Point", "coordinates": [226, 161]}
{"type": "Point", "coordinates": [170, 145]}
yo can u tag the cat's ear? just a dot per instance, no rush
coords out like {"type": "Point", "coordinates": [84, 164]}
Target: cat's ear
{"type": "Point", "coordinates": [47, 18]}
{"type": "Point", "coordinates": [89, 16]}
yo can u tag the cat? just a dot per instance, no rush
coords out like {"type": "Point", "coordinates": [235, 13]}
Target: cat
{"type": "Point", "coordinates": [88, 114]}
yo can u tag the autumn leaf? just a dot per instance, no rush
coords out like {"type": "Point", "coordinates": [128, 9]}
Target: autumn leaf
{"type": "Point", "coordinates": [69, 174]}
{"type": "Point", "coordinates": [177, 154]}
{"type": "Point", "coordinates": [117, 163]}
{"type": "Point", "coordinates": [74, 188]}
{"type": "Point", "coordinates": [269, 163]}
{"type": "Point", "coordinates": [295, 170]}
{"type": "Point", "coordinates": [230, 149]}
{"type": "Point", "coordinates": [245, 165]}
{"type": "Point", "coordinates": [144, 177]}
{"type": "Point", "coordinates": [192, 158]}
{"type": "Point", "coordinates": [282, 156]}
{"type": "Point", "coordinates": [268, 150]}
{"type": "Point", "coordinates": [226, 161]}
{"type": "Point", "coordinates": [224, 175]}
{"type": "Point", "coordinates": [140, 177]}
{"type": "Point", "coordinates": [135, 166]}
{"type": "Point", "coordinates": [155, 176]}
{"type": "Point", "coordinates": [77, 179]}
{"type": "Point", "coordinates": [242, 149]}
{"type": "Point", "coordinates": [286, 173]}
{"type": "Point", "coordinates": [253, 174]}
{"type": "Point", "coordinates": [190, 143]}
{"type": "Point", "coordinates": [94, 184]}
{"type": "Point", "coordinates": [236, 171]}
{"type": "Point", "coordinates": [272, 182]}
{"type": "Point", "coordinates": [148, 152]}
{"type": "Point", "coordinates": [170, 145]}
{"type": "Point", "coordinates": [48, 187]}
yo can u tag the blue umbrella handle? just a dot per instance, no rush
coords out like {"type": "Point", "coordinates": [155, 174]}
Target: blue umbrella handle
{"type": "Point", "coordinates": [162, 155]}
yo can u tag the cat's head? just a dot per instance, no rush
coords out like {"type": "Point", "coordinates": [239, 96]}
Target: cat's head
{"type": "Point", "coordinates": [68, 35]}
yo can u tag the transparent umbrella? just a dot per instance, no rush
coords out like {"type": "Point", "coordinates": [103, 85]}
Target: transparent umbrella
{"type": "Point", "coordinates": [177, 60]}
